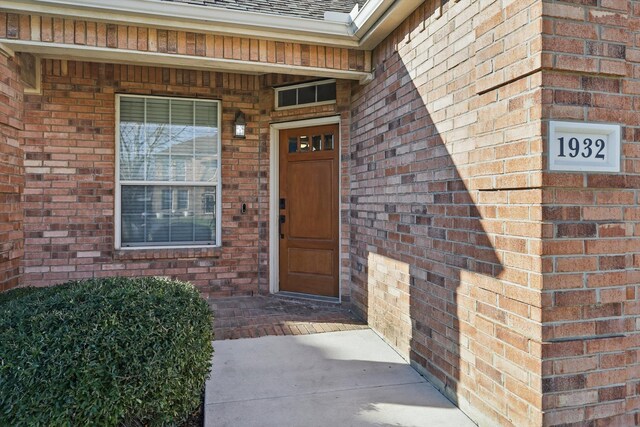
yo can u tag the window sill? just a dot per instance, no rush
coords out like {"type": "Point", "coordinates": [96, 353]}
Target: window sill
{"type": "Point", "coordinates": [167, 253]}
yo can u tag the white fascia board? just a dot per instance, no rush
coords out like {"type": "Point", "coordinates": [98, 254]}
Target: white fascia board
{"type": "Point", "coordinates": [369, 14]}
{"type": "Point", "coordinates": [182, 16]}
{"type": "Point", "coordinates": [391, 18]}
{"type": "Point", "coordinates": [157, 59]}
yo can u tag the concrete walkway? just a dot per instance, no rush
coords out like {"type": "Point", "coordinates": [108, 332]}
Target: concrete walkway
{"type": "Point", "coordinates": [348, 378]}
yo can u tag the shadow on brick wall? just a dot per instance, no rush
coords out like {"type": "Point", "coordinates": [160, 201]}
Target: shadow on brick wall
{"type": "Point", "coordinates": [418, 240]}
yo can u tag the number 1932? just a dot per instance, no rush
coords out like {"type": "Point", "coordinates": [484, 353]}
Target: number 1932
{"type": "Point", "coordinates": [588, 148]}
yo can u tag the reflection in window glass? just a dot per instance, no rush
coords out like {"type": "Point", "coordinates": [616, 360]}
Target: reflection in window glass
{"type": "Point", "coordinates": [304, 144]}
{"type": "Point", "coordinates": [183, 199]}
{"type": "Point", "coordinates": [287, 98]}
{"type": "Point", "coordinates": [167, 199]}
{"type": "Point", "coordinates": [134, 200]}
{"type": "Point", "coordinates": [181, 168]}
{"type": "Point", "coordinates": [209, 202]}
{"type": "Point", "coordinates": [175, 141]}
{"type": "Point", "coordinates": [293, 144]}
{"type": "Point", "coordinates": [328, 142]}
{"type": "Point", "coordinates": [327, 92]}
{"type": "Point", "coordinates": [316, 142]}
{"type": "Point", "coordinates": [158, 168]}
{"type": "Point", "coordinates": [307, 95]}
{"type": "Point", "coordinates": [158, 138]}
{"type": "Point", "coordinates": [155, 215]}
{"type": "Point", "coordinates": [132, 139]}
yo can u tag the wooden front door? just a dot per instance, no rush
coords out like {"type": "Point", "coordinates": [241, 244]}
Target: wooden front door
{"type": "Point", "coordinates": [309, 221]}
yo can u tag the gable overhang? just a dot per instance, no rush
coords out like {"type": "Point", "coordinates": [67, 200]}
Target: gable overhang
{"type": "Point", "coordinates": [158, 59]}
{"type": "Point", "coordinates": [362, 29]}
{"type": "Point", "coordinates": [179, 16]}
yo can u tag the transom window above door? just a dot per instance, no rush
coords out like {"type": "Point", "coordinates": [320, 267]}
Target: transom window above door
{"type": "Point", "coordinates": [168, 172]}
{"type": "Point", "coordinates": [306, 94]}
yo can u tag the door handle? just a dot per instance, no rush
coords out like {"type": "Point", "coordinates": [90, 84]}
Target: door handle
{"type": "Point", "coordinates": [280, 222]}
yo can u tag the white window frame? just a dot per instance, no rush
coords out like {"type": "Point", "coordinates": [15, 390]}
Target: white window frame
{"type": "Point", "coordinates": [298, 86]}
{"type": "Point", "coordinates": [217, 185]}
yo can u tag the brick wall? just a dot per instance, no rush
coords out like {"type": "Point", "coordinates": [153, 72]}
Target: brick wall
{"type": "Point", "coordinates": [70, 175]}
{"type": "Point", "coordinates": [70, 178]}
{"type": "Point", "coordinates": [446, 156]}
{"type": "Point", "coordinates": [11, 173]}
{"type": "Point", "coordinates": [591, 372]}
{"type": "Point", "coordinates": [515, 289]}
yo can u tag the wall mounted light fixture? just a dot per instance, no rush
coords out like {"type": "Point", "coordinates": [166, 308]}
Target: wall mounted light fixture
{"type": "Point", "coordinates": [240, 126]}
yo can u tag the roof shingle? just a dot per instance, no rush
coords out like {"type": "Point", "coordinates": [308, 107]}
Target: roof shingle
{"type": "Point", "coordinates": [312, 9]}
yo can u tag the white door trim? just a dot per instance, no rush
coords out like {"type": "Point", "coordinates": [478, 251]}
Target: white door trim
{"type": "Point", "coordinates": [274, 191]}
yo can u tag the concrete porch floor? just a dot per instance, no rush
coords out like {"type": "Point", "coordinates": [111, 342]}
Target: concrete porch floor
{"type": "Point", "coordinates": [350, 377]}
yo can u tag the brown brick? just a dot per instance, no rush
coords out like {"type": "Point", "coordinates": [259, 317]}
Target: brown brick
{"type": "Point", "coordinates": [575, 230]}
{"type": "Point", "coordinates": [563, 383]}
{"type": "Point", "coordinates": [601, 84]}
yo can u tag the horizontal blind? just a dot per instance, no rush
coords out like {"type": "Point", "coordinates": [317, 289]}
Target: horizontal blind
{"type": "Point", "coordinates": [169, 169]}
{"type": "Point", "coordinates": [168, 140]}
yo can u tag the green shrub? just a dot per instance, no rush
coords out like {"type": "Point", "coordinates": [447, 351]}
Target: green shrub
{"type": "Point", "coordinates": [17, 293]}
{"type": "Point", "coordinates": [115, 351]}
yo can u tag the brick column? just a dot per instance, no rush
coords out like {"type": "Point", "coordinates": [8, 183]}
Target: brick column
{"type": "Point", "coordinates": [591, 369]}
{"type": "Point", "coordinates": [11, 173]}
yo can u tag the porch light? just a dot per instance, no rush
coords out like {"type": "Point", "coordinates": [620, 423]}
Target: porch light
{"type": "Point", "coordinates": [240, 126]}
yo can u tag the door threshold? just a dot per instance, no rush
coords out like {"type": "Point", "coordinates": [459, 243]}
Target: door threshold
{"type": "Point", "coordinates": [308, 297]}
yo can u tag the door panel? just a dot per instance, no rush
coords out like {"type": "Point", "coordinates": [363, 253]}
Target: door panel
{"type": "Point", "coordinates": [310, 193]}
{"type": "Point", "coordinates": [309, 255]}
{"type": "Point", "coordinates": [311, 261]}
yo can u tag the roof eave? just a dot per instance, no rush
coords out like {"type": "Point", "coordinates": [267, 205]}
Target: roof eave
{"type": "Point", "coordinates": [383, 20]}
{"type": "Point", "coordinates": [170, 15]}
{"type": "Point", "coordinates": [363, 30]}
{"type": "Point", "coordinates": [123, 56]}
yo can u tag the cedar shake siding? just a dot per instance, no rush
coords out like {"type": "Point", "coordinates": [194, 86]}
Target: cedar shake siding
{"type": "Point", "coordinates": [79, 33]}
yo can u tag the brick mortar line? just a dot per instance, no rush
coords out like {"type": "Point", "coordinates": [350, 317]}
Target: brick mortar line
{"type": "Point", "coordinates": [515, 79]}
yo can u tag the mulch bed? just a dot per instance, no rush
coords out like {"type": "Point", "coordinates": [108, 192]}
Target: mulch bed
{"type": "Point", "coordinates": [197, 418]}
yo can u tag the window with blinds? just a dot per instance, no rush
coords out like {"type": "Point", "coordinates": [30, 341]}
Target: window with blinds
{"type": "Point", "coordinates": [168, 172]}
